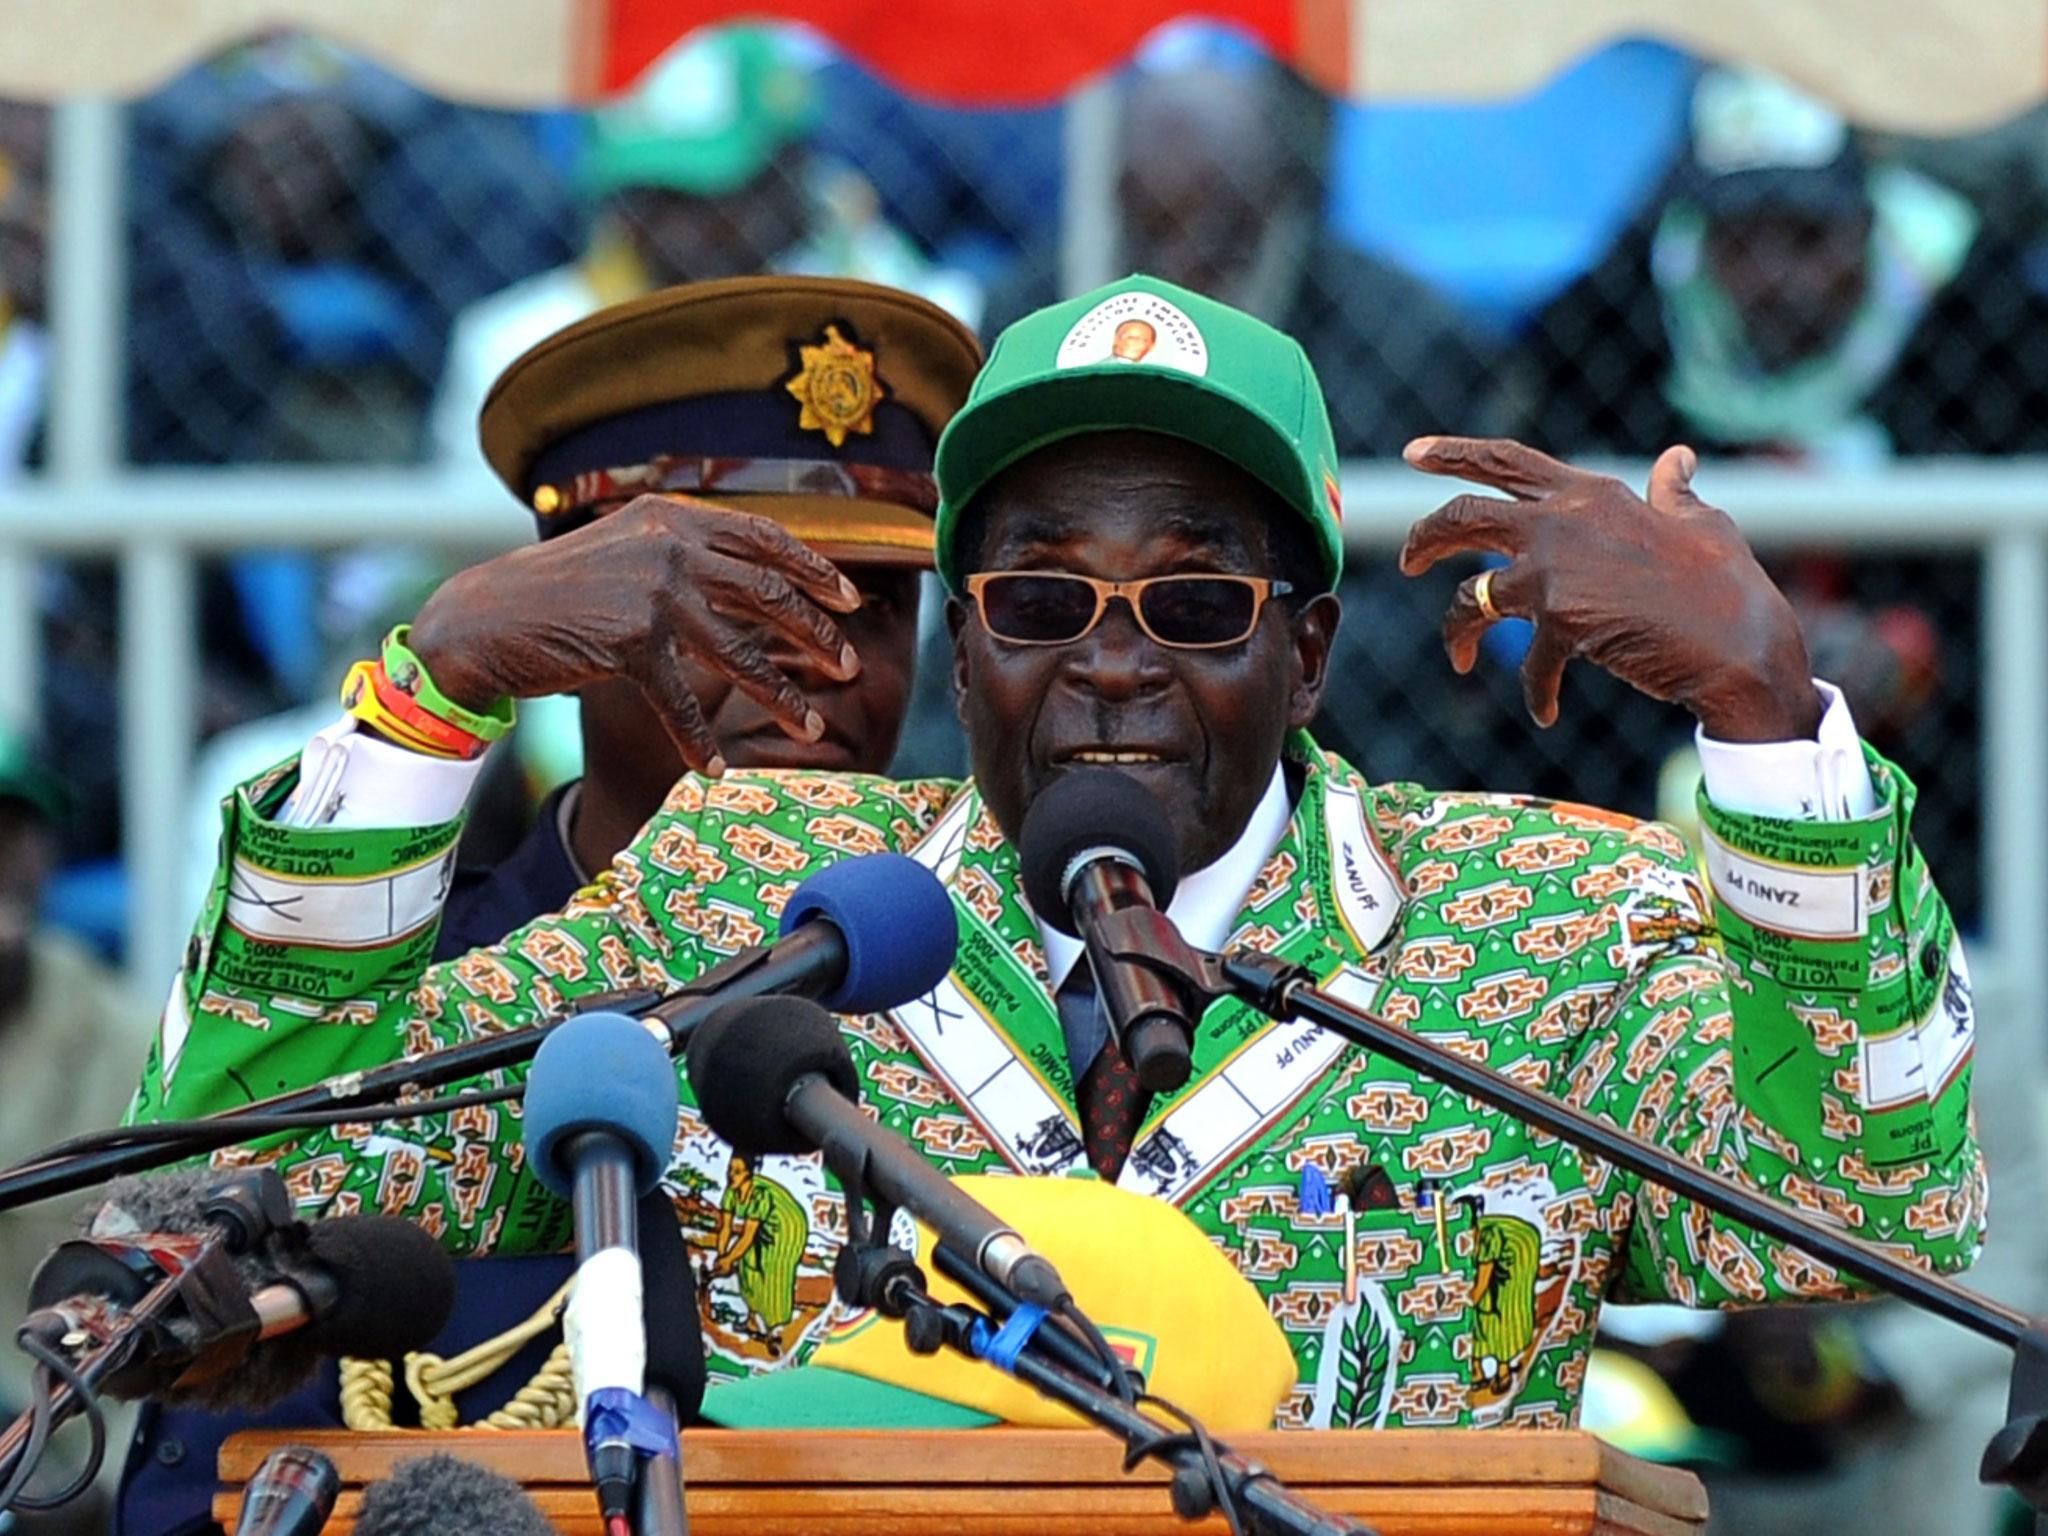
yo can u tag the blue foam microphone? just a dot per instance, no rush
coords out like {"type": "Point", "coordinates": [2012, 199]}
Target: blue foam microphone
{"type": "Point", "coordinates": [894, 923]}
{"type": "Point", "coordinates": [600, 1128]}
{"type": "Point", "coordinates": [608, 1078]}
{"type": "Point", "coordinates": [860, 936]}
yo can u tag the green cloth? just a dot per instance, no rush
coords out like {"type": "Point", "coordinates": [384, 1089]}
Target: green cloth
{"type": "Point", "coordinates": [818, 1397]}
{"type": "Point", "coordinates": [1804, 1028]}
{"type": "Point", "coordinates": [1145, 354]}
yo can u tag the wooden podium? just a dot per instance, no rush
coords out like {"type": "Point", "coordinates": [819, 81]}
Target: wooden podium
{"type": "Point", "coordinates": [1050, 1482]}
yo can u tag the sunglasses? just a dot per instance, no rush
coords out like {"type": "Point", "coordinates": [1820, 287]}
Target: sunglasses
{"type": "Point", "coordinates": [1185, 613]}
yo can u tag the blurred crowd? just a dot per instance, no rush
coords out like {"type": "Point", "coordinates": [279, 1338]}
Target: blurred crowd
{"type": "Point", "coordinates": [325, 265]}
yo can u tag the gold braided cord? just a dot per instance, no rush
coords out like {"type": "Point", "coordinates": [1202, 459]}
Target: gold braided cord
{"type": "Point", "coordinates": [366, 1393]}
{"type": "Point", "coordinates": [545, 1402]}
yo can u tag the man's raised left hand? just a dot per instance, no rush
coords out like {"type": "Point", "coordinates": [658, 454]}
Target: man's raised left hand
{"type": "Point", "coordinates": [1664, 592]}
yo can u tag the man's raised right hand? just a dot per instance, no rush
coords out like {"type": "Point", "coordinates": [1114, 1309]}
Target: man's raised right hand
{"type": "Point", "coordinates": [627, 596]}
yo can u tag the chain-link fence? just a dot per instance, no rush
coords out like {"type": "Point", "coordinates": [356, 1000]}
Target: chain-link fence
{"type": "Point", "coordinates": [311, 265]}
{"type": "Point", "coordinates": [322, 265]}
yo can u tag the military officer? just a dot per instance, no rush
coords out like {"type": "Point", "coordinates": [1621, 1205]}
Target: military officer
{"type": "Point", "coordinates": [812, 404]}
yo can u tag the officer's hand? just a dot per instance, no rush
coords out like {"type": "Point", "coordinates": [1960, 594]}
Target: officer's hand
{"type": "Point", "coordinates": [629, 594]}
{"type": "Point", "coordinates": [1663, 593]}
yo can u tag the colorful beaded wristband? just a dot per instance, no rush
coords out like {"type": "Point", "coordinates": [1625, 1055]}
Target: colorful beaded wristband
{"type": "Point", "coordinates": [368, 695]}
{"type": "Point", "coordinates": [402, 668]}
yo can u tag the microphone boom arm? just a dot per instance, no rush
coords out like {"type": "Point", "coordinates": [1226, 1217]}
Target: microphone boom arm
{"type": "Point", "coordinates": [763, 970]}
{"type": "Point", "coordinates": [1288, 992]}
{"type": "Point", "coordinates": [1205, 1469]}
{"type": "Point", "coordinates": [2017, 1456]}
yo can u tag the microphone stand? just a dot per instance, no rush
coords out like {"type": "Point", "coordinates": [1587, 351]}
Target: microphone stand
{"type": "Point", "coordinates": [115, 1335]}
{"type": "Point", "coordinates": [1039, 1350]}
{"type": "Point", "coordinates": [658, 1508]}
{"type": "Point", "coordinates": [764, 969]}
{"type": "Point", "coordinates": [2017, 1455]}
{"type": "Point", "coordinates": [198, 1278]}
{"type": "Point", "coordinates": [606, 1218]}
{"type": "Point", "coordinates": [645, 1452]}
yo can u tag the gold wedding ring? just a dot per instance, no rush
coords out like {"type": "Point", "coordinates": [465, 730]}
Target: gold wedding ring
{"type": "Point", "coordinates": [1482, 594]}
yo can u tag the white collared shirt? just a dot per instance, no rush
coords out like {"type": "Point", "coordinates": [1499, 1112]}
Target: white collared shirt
{"type": "Point", "coordinates": [1205, 905]}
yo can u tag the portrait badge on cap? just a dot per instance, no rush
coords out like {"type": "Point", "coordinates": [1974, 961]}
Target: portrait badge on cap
{"type": "Point", "coordinates": [835, 384]}
{"type": "Point", "coordinates": [1138, 328]}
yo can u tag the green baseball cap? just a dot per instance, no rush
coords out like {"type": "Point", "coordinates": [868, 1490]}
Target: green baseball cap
{"type": "Point", "coordinates": [1147, 355]}
{"type": "Point", "coordinates": [23, 777]}
{"type": "Point", "coordinates": [707, 118]}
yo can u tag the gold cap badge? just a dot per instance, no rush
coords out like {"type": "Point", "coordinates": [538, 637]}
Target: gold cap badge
{"type": "Point", "coordinates": [837, 388]}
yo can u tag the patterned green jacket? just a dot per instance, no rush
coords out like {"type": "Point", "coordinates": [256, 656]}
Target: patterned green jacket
{"type": "Point", "coordinates": [1807, 1029]}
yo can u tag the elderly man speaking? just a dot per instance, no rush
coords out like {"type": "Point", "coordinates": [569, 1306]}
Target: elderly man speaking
{"type": "Point", "coordinates": [1140, 552]}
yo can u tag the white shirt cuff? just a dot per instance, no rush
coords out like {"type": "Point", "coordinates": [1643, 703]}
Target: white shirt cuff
{"type": "Point", "coordinates": [349, 778]}
{"type": "Point", "coordinates": [1825, 779]}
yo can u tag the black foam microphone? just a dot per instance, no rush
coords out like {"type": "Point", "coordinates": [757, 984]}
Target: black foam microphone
{"type": "Point", "coordinates": [675, 1337]}
{"type": "Point", "coordinates": [772, 1074]}
{"type": "Point", "coordinates": [675, 1357]}
{"type": "Point", "coordinates": [291, 1494]}
{"type": "Point", "coordinates": [252, 1333]}
{"type": "Point", "coordinates": [1096, 842]}
{"type": "Point", "coordinates": [441, 1496]}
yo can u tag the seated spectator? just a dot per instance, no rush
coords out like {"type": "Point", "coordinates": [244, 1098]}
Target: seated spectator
{"type": "Point", "coordinates": [304, 229]}
{"type": "Point", "coordinates": [970, 185]}
{"type": "Point", "coordinates": [1221, 189]}
{"type": "Point", "coordinates": [1792, 298]}
{"type": "Point", "coordinates": [704, 172]}
{"type": "Point", "coordinates": [24, 220]}
{"type": "Point", "coordinates": [70, 1039]}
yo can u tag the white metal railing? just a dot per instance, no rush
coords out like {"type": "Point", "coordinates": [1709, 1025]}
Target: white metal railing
{"type": "Point", "coordinates": [157, 523]}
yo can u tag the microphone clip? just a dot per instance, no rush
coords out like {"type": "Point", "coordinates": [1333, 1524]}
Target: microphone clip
{"type": "Point", "coordinates": [1154, 987]}
{"type": "Point", "coordinates": [874, 1275]}
{"type": "Point", "coordinates": [870, 1271]}
{"type": "Point", "coordinates": [249, 1207]}
{"type": "Point", "coordinates": [1146, 937]}
{"type": "Point", "coordinates": [2018, 1454]}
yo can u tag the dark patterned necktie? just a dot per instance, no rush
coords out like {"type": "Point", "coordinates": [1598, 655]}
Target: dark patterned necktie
{"type": "Point", "coordinates": [1110, 1099]}
{"type": "Point", "coordinates": [1112, 1106]}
